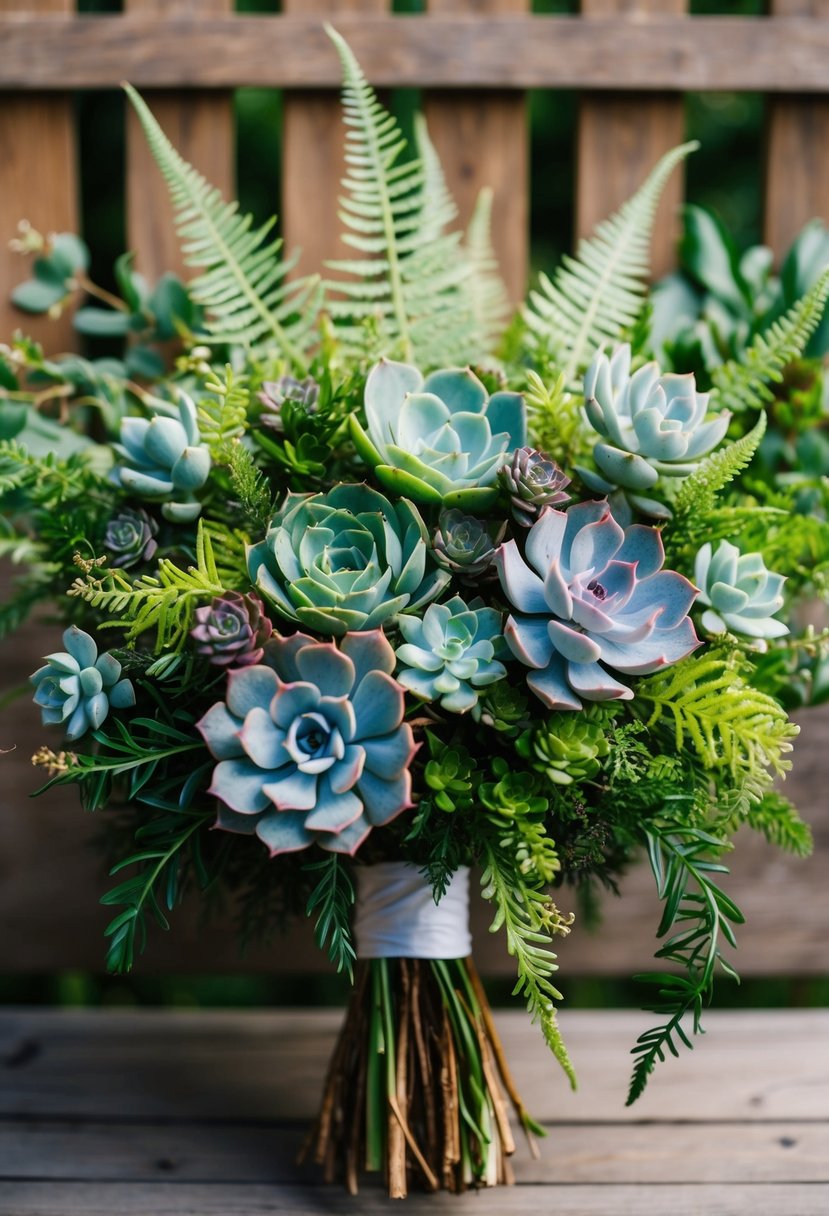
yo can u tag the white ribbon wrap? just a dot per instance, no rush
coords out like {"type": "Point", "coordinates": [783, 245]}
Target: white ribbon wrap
{"type": "Point", "coordinates": [396, 915]}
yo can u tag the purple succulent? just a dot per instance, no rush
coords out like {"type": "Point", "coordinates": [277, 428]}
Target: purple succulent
{"type": "Point", "coordinates": [590, 596]}
{"type": "Point", "coordinates": [275, 393]}
{"type": "Point", "coordinates": [533, 481]}
{"type": "Point", "coordinates": [232, 630]}
{"type": "Point", "coordinates": [130, 537]}
{"type": "Point", "coordinates": [313, 749]}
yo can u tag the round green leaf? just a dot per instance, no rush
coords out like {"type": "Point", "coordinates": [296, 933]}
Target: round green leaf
{"type": "Point", "coordinates": [36, 295]}
{"type": "Point", "coordinates": [102, 322]}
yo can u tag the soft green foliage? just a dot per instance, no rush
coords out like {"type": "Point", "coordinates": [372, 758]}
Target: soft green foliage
{"type": "Point", "coordinates": [529, 920]}
{"type": "Point", "coordinates": [743, 384]}
{"type": "Point", "coordinates": [332, 899]}
{"type": "Point", "coordinates": [554, 417]}
{"type": "Point", "coordinates": [680, 856]}
{"type": "Point", "coordinates": [251, 487]}
{"type": "Point", "coordinates": [697, 494]}
{"type": "Point", "coordinates": [164, 603]}
{"type": "Point", "coordinates": [222, 416]}
{"type": "Point", "coordinates": [595, 296]}
{"type": "Point", "coordinates": [486, 290]}
{"type": "Point", "coordinates": [780, 823]}
{"type": "Point", "coordinates": [244, 286]}
{"type": "Point", "coordinates": [409, 280]}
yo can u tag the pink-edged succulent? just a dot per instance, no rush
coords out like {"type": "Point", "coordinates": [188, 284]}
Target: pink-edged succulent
{"type": "Point", "coordinates": [592, 598]}
{"type": "Point", "coordinates": [312, 747]}
{"type": "Point", "coordinates": [232, 630]}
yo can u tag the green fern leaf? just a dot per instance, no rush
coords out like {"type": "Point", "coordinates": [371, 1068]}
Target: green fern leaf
{"type": "Point", "coordinates": [404, 294]}
{"type": "Point", "coordinates": [699, 491]}
{"type": "Point", "coordinates": [244, 284]}
{"type": "Point", "coordinates": [743, 384]}
{"type": "Point", "coordinates": [593, 297]}
{"type": "Point", "coordinates": [489, 298]}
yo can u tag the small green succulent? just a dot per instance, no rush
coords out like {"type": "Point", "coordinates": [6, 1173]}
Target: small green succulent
{"type": "Point", "coordinates": [164, 459]}
{"type": "Point", "coordinates": [740, 593]}
{"type": "Point", "coordinates": [78, 686]}
{"type": "Point", "coordinates": [449, 653]}
{"type": "Point", "coordinates": [438, 440]}
{"type": "Point", "coordinates": [567, 748]}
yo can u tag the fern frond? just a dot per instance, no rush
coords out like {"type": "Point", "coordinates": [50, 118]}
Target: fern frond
{"type": "Point", "coordinates": [600, 292]}
{"type": "Point", "coordinates": [779, 821]}
{"type": "Point", "coordinates": [332, 899]}
{"type": "Point", "coordinates": [744, 384]}
{"type": "Point", "coordinates": [486, 289]}
{"type": "Point", "coordinates": [223, 415]}
{"type": "Point", "coordinates": [244, 284]}
{"type": "Point", "coordinates": [699, 491]}
{"type": "Point", "coordinates": [408, 279]}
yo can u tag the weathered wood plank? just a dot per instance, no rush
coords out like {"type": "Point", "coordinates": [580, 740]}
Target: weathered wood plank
{"type": "Point", "coordinates": [482, 140]}
{"type": "Point", "coordinates": [797, 135]}
{"type": "Point", "coordinates": [620, 138]}
{"type": "Point", "coordinates": [200, 127]}
{"type": "Point", "coordinates": [733, 53]}
{"type": "Point", "coordinates": [40, 184]}
{"type": "Point", "coordinates": [235, 1199]}
{"type": "Point", "coordinates": [152, 1152]}
{"type": "Point", "coordinates": [758, 1067]}
{"type": "Point", "coordinates": [313, 142]}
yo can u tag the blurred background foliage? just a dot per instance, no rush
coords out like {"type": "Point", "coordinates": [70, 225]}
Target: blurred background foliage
{"type": "Point", "coordinates": [725, 175]}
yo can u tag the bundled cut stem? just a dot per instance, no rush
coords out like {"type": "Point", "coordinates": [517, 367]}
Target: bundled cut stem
{"type": "Point", "coordinates": [417, 1087]}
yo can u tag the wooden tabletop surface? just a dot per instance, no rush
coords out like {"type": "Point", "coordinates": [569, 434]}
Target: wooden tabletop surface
{"type": "Point", "coordinates": [158, 1113]}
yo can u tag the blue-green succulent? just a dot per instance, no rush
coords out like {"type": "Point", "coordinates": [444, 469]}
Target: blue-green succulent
{"type": "Point", "coordinates": [312, 748]}
{"type": "Point", "coordinates": [740, 593]}
{"type": "Point", "coordinates": [164, 460]}
{"type": "Point", "coordinates": [466, 546]}
{"type": "Point", "coordinates": [78, 686]}
{"type": "Point", "coordinates": [449, 653]}
{"type": "Point", "coordinates": [345, 560]}
{"type": "Point", "coordinates": [591, 598]}
{"type": "Point", "coordinates": [438, 440]}
{"type": "Point", "coordinates": [651, 424]}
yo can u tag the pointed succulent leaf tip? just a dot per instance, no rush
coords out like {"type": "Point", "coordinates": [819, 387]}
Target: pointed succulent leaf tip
{"type": "Point", "coordinates": [77, 687]}
{"type": "Point", "coordinates": [313, 747]}
{"type": "Point", "coordinates": [591, 599]}
{"type": "Point", "coordinates": [441, 439]}
{"type": "Point", "coordinates": [650, 424]}
{"type": "Point", "coordinates": [164, 460]}
{"type": "Point", "coordinates": [345, 561]}
{"type": "Point", "coordinates": [742, 596]}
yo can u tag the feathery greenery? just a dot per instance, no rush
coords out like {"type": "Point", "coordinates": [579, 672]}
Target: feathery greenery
{"type": "Point", "coordinates": [332, 899]}
{"type": "Point", "coordinates": [698, 492]}
{"type": "Point", "coordinates": [244, 286]}
{"type": "Point", "coordinates": [486, 290]}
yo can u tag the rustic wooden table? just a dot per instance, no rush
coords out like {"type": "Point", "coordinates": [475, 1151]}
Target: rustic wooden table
{"type": "Point", "coordinates": [154, 1113]}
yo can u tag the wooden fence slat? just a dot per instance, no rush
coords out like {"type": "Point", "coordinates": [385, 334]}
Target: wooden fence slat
{"type": "Point", "coordinates": [797, 135]}
{"type": "Point", "coordinates": [525, 52]}
{"type": "Point", "coordinates": [619, 139]}
{"type": "Point", "coordinates": [483, 140]}
{"type": "Point", "coordinates": [313, 142]}
{"type": "Point", "coordinates": [40, 184]}
{"type": "Point", "coordinates": [200, 127]}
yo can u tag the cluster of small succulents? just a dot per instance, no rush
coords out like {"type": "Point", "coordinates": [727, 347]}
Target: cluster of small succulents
{"type": "Point", "coordinates": [77, 687]}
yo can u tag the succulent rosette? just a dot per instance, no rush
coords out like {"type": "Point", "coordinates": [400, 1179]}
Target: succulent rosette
{"type": "Point", "coordinates": [652, 423]}
{"type": "Point", "coordinates": [438, 440]}
{"type": "Point", "coordinates": [742, 595]}
{"type": "Point", "coordinates": [164, 459]}
{"type": "Point", "coordinates": [566, 749]}
{"type": "Point", "coordinates": [313, 748]}
{"type": "Point", "coordinates": [533, 481]}
{"type": "Point", "coordinates": [345, 560]}
{"type": "Point", "coordinates": [464, 545]}
{"type": "Point", "coordinates": [591, 599]}
{"type": "Point", "coordinates": [232, 630]}
{"type": "Point", "coordinates": [274, 394]}
{"type": "Point", "coordinates": [130, 538]}
{"type": "Point", "coordinates": [449, 653]}
{"type": "Point", "coordinates": [78, 686]}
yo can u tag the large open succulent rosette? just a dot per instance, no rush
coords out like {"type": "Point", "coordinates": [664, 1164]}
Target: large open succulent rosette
{"type": "Point", "coordinates": [353, 627]}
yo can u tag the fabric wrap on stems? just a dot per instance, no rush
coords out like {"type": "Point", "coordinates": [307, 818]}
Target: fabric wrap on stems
{"type": "Point", "coordinates": [396, 915]}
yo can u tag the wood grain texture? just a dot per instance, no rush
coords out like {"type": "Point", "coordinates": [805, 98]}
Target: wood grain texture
{"type": "Point", "coordinates": [621, 137]}
{"type": "Point", "coordinates": [797, 135]}
{"type": "Point", "coordinates": [40, 184]}
{"type": "Point", "coordinates": [192, 1113]}
{"type": "Point", "coordinates": [723, 53]}
{"type": "Point", "coordinates": [482, 140]}
{"type": "Point", "coordinates": [200, 127]}
{"type": "Point", "coordinates": [313, 141]}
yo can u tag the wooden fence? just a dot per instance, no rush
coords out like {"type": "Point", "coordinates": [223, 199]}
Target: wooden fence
{"type": "Point", "coordinates": [632, 60]}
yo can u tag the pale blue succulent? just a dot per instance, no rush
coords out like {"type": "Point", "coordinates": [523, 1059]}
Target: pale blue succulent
{"type": "Point", "coordinates": [78, 686]}
{"type": "Point", "coordinates": [653, 424]}
{"type": "Point", "coordinates": [345, 560]}
{"type": "Point", "coordinates": [312, 748]}
{"type": "Point", "coordinates": [449, 653]}
{"type": "Point", "coordinates": [591, 598]}
{"type": "Point", "coordinates": [164, 460]}
{"type": "Point", "coordinates": [438, 440]}
{"type": "Point", "coordinates": [741, 593]}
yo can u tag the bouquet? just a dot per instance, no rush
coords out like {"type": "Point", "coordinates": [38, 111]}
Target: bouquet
{"type": "Point", "coordinates": [364, 592]}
